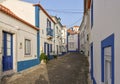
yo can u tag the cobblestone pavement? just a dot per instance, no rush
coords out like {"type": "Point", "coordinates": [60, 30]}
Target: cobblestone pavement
{"type": "Point", "coordinates": [69, 69]}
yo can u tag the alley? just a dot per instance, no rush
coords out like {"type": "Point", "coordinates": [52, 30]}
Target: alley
{"type": "Point", "coordinates": [71, 68]}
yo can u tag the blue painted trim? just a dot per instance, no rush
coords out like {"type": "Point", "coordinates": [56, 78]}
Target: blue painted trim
{"type": "Point", "coordinates": [63, 53]}
{"type": "Point", "coordinates": [92, 66]}
{"type": "Point", "coordinates": [45, 47]}
{"type": "Point", "coordinates": [7, 61]}
{"type": "Point", "coordinates": [12, 49]}
{"type": "Point", "coordinates": [72, 51]}
{"type": "Point", "coordinates": [50, 47]}
{"type": "Point", "coordinates": [22, 65]}
{"type": "Point", "coordinates": [92, 16]}
{"type": "Point", "coordinates": [48, 50]}
{"type": "Point", "coordinates": [37, 24]}
{"type": "Point", "coordinates": [109, 41]}
{"type": "Point", "coordinates": [94, 81]}
{"type": "Point", "coordinates": [79, 42]}
{"type": "Point", "coordinates": [37, 13]}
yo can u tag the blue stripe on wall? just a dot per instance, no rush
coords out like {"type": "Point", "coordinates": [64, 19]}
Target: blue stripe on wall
{"type": "Point", "coordinates": [73, 51]}
{"type": "Point", "coordinates": [92, 61]}
{"type": "Point", "coordinates": [37, 16]}
{"type": "Point", "coordinates": [22, 65]}
{"type": "Point", "coordinates": [92, 64]}
{"type": "Point", "coordinates": [37, 24]}
{"type": "Point", "coordinates": [109, 41]}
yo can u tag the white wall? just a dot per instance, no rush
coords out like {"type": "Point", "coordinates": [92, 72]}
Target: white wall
{"type": "Point", "coordinates": [57, 35]}
{"type": "Point", "coordinates": [22, 9]}
{"type": "Point", "coordinates": [74, 40]}
{"type": "Point", "coordinates": [43, 28]}
{"type": "Point", "coordinates": [64, 39]}
{"type": "Point", "coordinates": [26, 11]}
{"type": "Point", "coordinates": [85, 34]}
{"type": "Point", "coordinates": [106, 22]}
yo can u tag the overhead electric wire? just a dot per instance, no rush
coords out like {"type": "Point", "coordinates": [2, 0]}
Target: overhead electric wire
{"type": "Point", "coordinates": [64, 11]}
{"type": "Point", "coordinates": [75, 22]}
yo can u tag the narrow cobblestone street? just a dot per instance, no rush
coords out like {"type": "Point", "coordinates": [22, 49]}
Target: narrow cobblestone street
{"type": "Point", "coordinates": [69, 69]}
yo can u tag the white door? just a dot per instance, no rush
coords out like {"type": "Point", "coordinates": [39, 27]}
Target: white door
{"type": "Point", "coordinates": [108, 68]}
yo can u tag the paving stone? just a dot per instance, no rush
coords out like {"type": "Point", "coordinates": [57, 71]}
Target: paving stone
{"type": "Point", "coordinates": [69, 69]}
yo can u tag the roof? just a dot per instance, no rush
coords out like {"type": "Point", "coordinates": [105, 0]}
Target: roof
{"type": "Point", "coordinates": [57, 20]}
{"type": "Point", "coordinates": [76, 27]}
{"type": "Point", "coordinates": [10, 13]}
{"type": "Point", "coordinates": [71, 32]}
{"type": "Point", "coordinates": [44, 12]}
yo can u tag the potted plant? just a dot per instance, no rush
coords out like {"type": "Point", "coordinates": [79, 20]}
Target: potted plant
{"type": "Point", "coordinates": [55, 56]}
{"type": "Point", "coordinates": [43, 58]}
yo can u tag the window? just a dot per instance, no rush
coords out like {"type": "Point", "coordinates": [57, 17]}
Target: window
{"type": "Point", "coordinates": [71, 44]}
{"type": "Point", "coordinates": [48, 23]}
{"type": "Point", "coordinates": [92, 14]}
{"type": "Point", "coordinates": [87, 37]}
{"type": "Point", "coordinates": [27, 47]}
{"type": "Point", "coordinates": [50, 47]}
{"type": "Point", "coordinates": [8, 45]}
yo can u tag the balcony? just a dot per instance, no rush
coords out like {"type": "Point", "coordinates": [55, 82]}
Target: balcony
{"type": "Point", "coordinates": [49, 33]}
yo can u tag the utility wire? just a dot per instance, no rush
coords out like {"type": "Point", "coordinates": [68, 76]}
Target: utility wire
{"type": "Point", "coordinates": [62, 11]}
{"type": "Point", "coordinates": [75, 22]}
{"type": "Point", "coordinates": [66, 9]}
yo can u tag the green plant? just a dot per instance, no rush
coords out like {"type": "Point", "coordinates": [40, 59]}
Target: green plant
{"type": "Point", "coordinates": [44, 57]}
{"type": "Point", "coordinates": [55, 56]}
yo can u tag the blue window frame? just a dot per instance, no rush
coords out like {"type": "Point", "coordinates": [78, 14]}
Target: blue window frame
{"type": "Point", "coordinates": [108, 42]}
{"type": "Point", "coordinates": [91, 60]}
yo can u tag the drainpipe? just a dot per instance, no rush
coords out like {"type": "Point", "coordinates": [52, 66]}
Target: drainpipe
{"type": "Point", "coordinates": [37, 20]}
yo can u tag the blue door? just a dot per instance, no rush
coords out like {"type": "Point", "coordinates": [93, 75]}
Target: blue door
{"type": "Point", "coordinates": [7, 51]}
{"type": "Point", "coordinates": [45, 48]}
{"type": "Point", "coordinates": [48, 51]}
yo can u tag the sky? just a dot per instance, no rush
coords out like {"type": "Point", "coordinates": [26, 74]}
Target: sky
{"type": "Point", "coordinates": [70, 11]}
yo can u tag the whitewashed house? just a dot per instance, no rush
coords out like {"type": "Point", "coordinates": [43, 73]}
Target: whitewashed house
{"type": "Point", "coordinates": [85, 29]}
{"type": "Point", "coordinates": [64, 39]}
{"type": "Point", "coordinates": [72, 40]}
{"type": "Point", "coordinates": [57, 36]}
{"type": "Point", "coordinates": [47, 27]}
{"type": "Point", "coordinates": [105, 39]}
{"type": "Point", "coordinates": [18, 48]}
{"type": "Point", "coordinates": [36, 15]}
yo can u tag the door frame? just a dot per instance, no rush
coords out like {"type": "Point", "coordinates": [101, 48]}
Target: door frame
{"type": "Point", "coordinates": [107, 42]}
{"type": "Point", "coordinates": [4, 37]}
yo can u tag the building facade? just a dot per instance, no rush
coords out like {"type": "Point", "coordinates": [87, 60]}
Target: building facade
{"type": "Point", "coordinates": [57, 36]}
{"type": "Point", "coordinates": [72, 40]}
{"type": "Point", "coordinates": [105, 41]}
{"type": "Point", "coordinates": [18, 48]}
{"type": "Point", "coordinates": [37, 16]}
{"type": "Point", "coordinates": [64, 40]}
{"type": "Point", "coordinates": [85, 30]}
